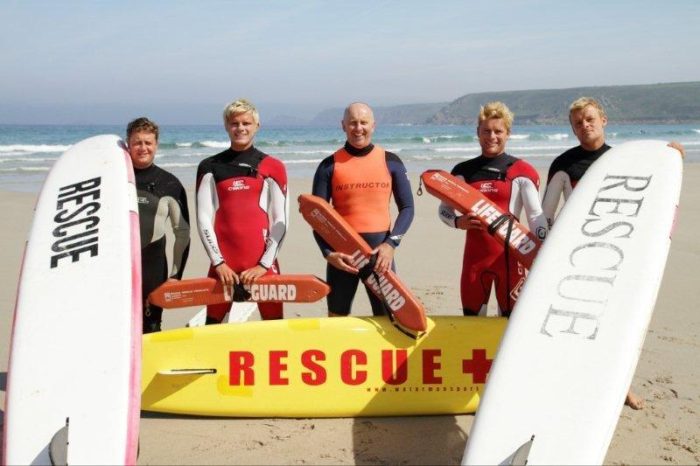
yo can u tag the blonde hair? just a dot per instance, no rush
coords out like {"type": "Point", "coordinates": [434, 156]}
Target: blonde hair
{"type": "Point", "coordinates": [583, 102]}
{"type": "Point", "coordinates": [241, 106]}
{"type": "Point", "coordinates": [496, 110]}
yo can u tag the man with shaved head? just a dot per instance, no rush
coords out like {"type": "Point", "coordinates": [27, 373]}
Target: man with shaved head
{"type": "Point", "coordinates": [359, 180]}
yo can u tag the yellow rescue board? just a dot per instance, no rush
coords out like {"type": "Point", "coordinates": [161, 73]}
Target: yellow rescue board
{"type": "Point", "coordinates": [320, 367]}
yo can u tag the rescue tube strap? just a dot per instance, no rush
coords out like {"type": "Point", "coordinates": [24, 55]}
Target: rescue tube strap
{"type": "Point", "coordinates": [497, 223]}
{"type": "Point", "coordinates": [240, 294]}
{"type": "Point", "coordinates": [506, 257]}
{"type": "Point", "coordinates": [368, 269]}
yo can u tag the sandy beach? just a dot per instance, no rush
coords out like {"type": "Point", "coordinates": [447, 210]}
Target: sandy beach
{"type": "Point", "coordinates": [666, 431]}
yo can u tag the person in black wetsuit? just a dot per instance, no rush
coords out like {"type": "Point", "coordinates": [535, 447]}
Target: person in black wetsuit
{"type": "Point", "coordinates": [588, 120]}
{"type": "Point", "coordinates": [161, 197]}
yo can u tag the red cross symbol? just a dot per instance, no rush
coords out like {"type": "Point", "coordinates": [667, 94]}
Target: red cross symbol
{"type": "Point", "coordinates": [478, 366]}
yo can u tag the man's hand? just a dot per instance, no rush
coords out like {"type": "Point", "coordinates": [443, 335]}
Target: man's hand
{"type": "Point", "coordinates": [469, 221]}
{"type": "Point", "coordinates": [227, 276]}
{"type": "Point", "coordinates": [341, 261]}
{"type": "Point", "coordinates": [678, 146]}
{"type": "Point", "coordinates": [385, 255]}
{"type": "Point", "coordinates": [249, 276]}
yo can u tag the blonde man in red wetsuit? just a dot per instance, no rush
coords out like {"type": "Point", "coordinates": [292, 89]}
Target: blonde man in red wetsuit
{"type": "Point", "coordinates": [512, 184]}
{"type": "Point", "coordinates": [242, 209]}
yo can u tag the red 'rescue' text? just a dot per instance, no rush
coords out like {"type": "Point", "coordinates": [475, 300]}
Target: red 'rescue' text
{"type": "Point", "coordinates": [353, 369]}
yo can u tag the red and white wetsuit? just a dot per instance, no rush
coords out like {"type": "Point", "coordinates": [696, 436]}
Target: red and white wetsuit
{"type": "Point", "coordinates": [512, 184]}
{"type": "Point", "coordinates": [242, 215]}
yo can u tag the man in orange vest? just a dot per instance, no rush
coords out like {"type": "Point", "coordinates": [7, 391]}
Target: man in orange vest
{"type": "Point", "coordinates": [359, 180]}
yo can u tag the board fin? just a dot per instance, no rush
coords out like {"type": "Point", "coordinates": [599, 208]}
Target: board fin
{"type": "Point", "coordinates": [522, 243]}
{"type": "Point", "coordinates": [407, 311]}
{"type": "Point", "coordinates": [192, 371]}
{"type": "Point", "coordinates": [240, 312]}
{"type": "Point", "coordinates": [300, 288]}
{"type": "Point", "coordinates": [521, 455]}
{"type": "Point", "coordinates": [58, 447]}
{"type": "Point", "coordinates": [199, 319]}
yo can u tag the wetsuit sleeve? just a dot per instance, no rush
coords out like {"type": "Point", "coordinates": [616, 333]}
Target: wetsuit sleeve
{"type": "Point", "coordinates": [278, 214]}
{"type": "Point", "coordinates": [558, 184]}
{"type": "Point", "coordinates": [207, 205]}
{"type": "Point", "coordinates": [527, 187]}
{"type": "Point", "coordinates": [447, 214]}
{"type": "Point", "coordinates": [403, 196]}
{"type": "Point", "coordinates": [322, 188]}
{"type": "Point", "coordinates": [180, 223]}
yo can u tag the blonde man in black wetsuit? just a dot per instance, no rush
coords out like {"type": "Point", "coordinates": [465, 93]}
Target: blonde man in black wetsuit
{"type": "Point", "coordinates": [588, 120]}
{"type": "Point", "coordinates": [161, 197]}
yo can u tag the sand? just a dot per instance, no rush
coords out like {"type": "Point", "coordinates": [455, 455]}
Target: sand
{"type": "Point", "coordinates": [665, 432]}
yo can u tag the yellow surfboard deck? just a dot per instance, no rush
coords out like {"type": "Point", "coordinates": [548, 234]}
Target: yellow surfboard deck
{"type": "Point", "coordinates": [319, 367]}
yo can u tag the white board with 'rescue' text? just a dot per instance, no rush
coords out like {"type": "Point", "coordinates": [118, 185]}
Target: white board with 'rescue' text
{"type": "Point", "coordinates": [572, 344]}
{"type": "Point", "coordinates": [76, 335]}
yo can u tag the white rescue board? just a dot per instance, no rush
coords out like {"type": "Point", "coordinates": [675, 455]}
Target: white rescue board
{"type": "Point", "coordinates": [74, 371]}
{"type": "Point", "coordinates": [571, 347]}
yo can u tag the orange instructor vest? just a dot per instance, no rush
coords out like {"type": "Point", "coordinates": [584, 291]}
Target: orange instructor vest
{"type": "Point", "coordinates": [361, 190]}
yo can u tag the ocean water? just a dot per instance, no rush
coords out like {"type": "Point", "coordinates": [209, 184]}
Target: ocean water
{"type": "Point", "coordinates": [27, 152]}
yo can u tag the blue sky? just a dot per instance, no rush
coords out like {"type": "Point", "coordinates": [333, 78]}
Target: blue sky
{"type": "Point", "coordinates": [69, 61]}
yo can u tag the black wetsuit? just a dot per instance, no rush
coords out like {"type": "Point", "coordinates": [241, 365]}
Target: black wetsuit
{"type": "Point", "coordinates": [161, 196]}
{"type": "Point", "coordinates": [564, 173]}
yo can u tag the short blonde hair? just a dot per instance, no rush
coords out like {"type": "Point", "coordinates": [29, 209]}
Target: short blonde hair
{"type": "Point", "coordinates": [496, 110]}
{"type": "Point", "coordinates": [241, 106]}
{"type": "Point", "coordinates": [583, 102]}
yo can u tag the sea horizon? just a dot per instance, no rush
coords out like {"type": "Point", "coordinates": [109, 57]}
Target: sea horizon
{"type": "Point", "coordinates": [27, 152]}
